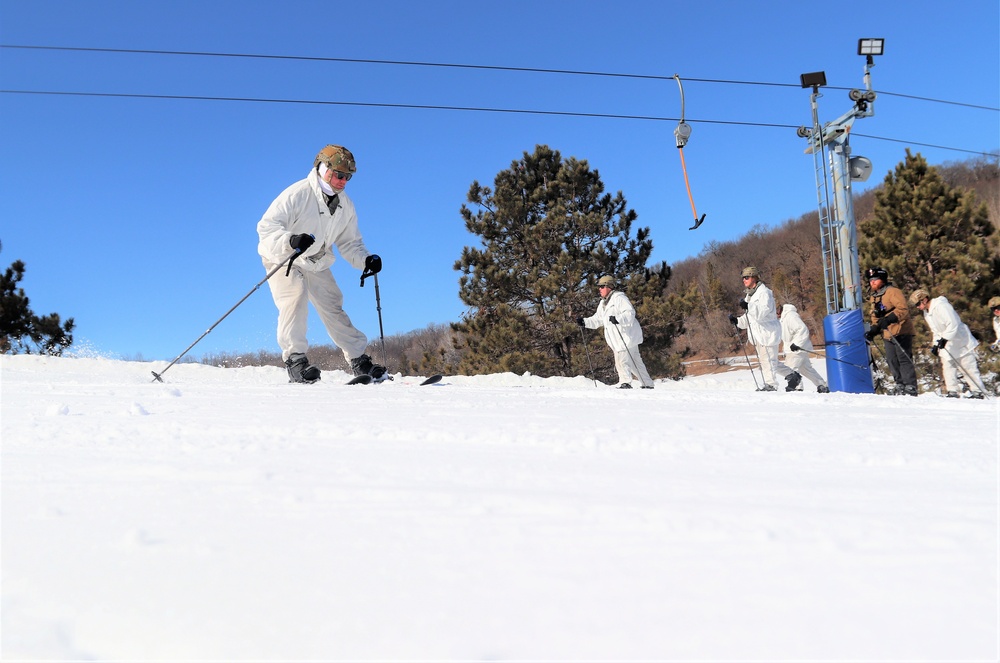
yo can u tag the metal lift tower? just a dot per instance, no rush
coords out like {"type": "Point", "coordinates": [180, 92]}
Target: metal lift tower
{"type": "Point", "coordinates": [847, 362]}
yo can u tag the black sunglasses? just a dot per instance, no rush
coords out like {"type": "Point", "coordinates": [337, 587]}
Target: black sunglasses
{"type": "Point", "coordinates": [342, 176]}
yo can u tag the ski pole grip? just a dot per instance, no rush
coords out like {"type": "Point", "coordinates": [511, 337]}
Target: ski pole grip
{"type": "Point", "coordinates": [295, 255]}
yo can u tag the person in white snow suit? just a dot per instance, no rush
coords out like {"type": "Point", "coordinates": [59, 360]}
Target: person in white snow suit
{"type": "Point", "coordinates": [621, 331]}
{"type": "Point", "coordinates": [994, 305]}
{"type": "Point", "coordinates": [953, 343]}
{"type": "Point", "coordinates": [794, 333]}
{"type": "Point", "coordinates": [764, 330]}
{"type": "Point", "coordinates": [309, 219]}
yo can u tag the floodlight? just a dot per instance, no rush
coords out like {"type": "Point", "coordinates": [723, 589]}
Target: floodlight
{"type": "Point", "coordinates": [815, 79]}
{"type": "Point", "coordinates": [871, 46]}
{"type": "Point", "coordinates": [860, 168]}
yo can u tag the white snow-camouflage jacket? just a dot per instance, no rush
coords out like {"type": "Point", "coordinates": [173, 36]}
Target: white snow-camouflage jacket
{"type": "Point", "coordinates": [946, 324]}
{"type": "Point", "coordinates": [301, 208]}
{"type": "Point", "coordinates": [618, 305]}
{"type": "Point", "coordinates": [761, 318]}
{"type": "Point", "coordinates": [793, 330]}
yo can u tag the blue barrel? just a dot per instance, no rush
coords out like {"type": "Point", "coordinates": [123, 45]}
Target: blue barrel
{"type": "Point", "coordinates": [847, 367]}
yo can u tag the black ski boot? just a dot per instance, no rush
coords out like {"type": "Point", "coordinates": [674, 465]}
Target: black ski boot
{"type": "Point", "coordinates": [793, 380]}
{"type": "Point", "coordinates": [300, 370]}
{"type": "Point", "coordinates": [624, 385]}
{"type": "Point", "coordinates": [363, 366]}
{"type": "Point", "coordinates": [822, 389]}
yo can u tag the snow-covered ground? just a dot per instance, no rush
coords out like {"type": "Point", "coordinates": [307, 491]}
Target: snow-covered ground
{"type": "Point", "coordinates": [228, 515]}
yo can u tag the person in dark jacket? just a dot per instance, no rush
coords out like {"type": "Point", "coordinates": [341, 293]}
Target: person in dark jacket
{"type": "Point", "coordinates": [890, 318]}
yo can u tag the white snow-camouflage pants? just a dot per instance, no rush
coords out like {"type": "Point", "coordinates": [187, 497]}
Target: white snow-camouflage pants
{"type": "Point", "coordinates": [965, 366]}
{"type": "Point", "coordinates": [799, 362]}
{"type": "Point", "coordinates": [292, 295]}
{"type": "Point", "coordinates": [628, 362]}
{"type": "Point", "coordinates": [770, 367]}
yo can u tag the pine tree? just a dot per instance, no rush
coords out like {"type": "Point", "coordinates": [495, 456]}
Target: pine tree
{"type": "Point", "coordinates": [23, 331]}
{"type": "Point", "coordinates": [548, 232]}
{"type": "Point", "coordinates": [930, 235]}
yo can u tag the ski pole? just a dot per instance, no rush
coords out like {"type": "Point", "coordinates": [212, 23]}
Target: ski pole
{"type": "Point", "coordinates": [587, 351]}
{"type": "Point", "coordinates": [378, 308]}
{"type": "Point", "coordinates": [895, 342]}
{"type": "Point", "coordinates": [980, 385]}
{"type": "Point", "coordinates": [631, 358]}
{"type": "Point", "coordinates": [736, 331]}
{"type": "Point", "coordinates": [756, 352]}
{"type": "Point", "coordinates": [795, 348]}
{"type": "Point", "coordinates": [158, 377]}
{"type": "Point", "coordinates": [876, 367]}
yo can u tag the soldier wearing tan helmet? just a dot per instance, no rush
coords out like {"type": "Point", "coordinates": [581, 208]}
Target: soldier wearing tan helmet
{"type": "Point", "coordinates": [621, 331]}
{"type": "Point", "coordinates": [953, 343]}
{"type": "Point", "coordinates": [994, 305]}
{"type": "Point", "coordinates": [760, 319]}
{"type": "Point", "coordinates": [305, 222]}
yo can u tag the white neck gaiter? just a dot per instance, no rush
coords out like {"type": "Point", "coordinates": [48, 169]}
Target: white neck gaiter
{"type": "Point", "coordinates": [323, 184]}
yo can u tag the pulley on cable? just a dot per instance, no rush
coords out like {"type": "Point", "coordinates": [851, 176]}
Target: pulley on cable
{"type": "Point", "coordinates": [681, 134]}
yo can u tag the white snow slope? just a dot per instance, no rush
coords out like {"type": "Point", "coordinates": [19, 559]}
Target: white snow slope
{"type": "Point", "coordinates": [228, 515]}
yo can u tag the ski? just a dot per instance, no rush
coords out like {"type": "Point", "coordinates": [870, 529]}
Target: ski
{"type": "Point", "coordinates": [367, 379]}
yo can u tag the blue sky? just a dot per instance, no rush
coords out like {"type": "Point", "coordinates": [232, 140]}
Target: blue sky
{"type": "Point", "coordinates": [136, 216]}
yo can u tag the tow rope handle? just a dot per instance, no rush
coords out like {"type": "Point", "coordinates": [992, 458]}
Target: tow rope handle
{"type": "Point", "coordinates": [681, 135]}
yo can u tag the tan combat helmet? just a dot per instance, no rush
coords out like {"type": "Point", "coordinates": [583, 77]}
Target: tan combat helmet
{"type": "Point", "coordinates": [606, 280]}
{"type": "Point", "coordinates": [918, 296]}
{"type": "Point", "coordinates": [337, 157]}
{"type": "Point", "coordinates": [751, 271]}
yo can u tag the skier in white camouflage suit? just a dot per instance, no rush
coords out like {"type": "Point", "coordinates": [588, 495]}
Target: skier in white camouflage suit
{"type": "Point", "coordinates": [761, 320]}
{"type": "Point", "coordinates": [311, 217]}
{"type": "Point", "coordinates": [621, 331]}
{"type": "Point", "coordinates": [794, 333]}
{"type": "Point", "coordinates": [953, 343]}
{"type": "Point", "coordinates": [994, 305]}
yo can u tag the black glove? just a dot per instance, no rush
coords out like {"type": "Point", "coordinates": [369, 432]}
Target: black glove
{"type": "Point", "coordinates": [373, 264]}
{"type": "Point", "coordinates": [744, 305]}
{"type": "Point", "coordinates": [612, 319]}
{"type": "Point", "coordinates": [794, 348]}
{"type": "Point", "coordinates": [887, 320]}
{"type": "Point", "coordinates": [872, 333]}
{"type": "Point", "coordinates": [935, 349]}
{"type": "Point", "coordinates": [580, 322]}
{"type": "Point", "coordinates": [301, 242]}
{"type": "Point", "coordinates": [733, 319]}
{"type": "Point", "coordinates": [942, 342]}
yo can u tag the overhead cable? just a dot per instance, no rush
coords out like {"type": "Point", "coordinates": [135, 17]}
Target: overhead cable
{"type": "Point", "coordinates": [317, 102]}
{"type": "Point", "coordinates": [537, 70]}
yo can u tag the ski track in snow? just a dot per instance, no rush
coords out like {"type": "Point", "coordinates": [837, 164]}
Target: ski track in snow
{"type": "Point", "coordinates": [228, 515]}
